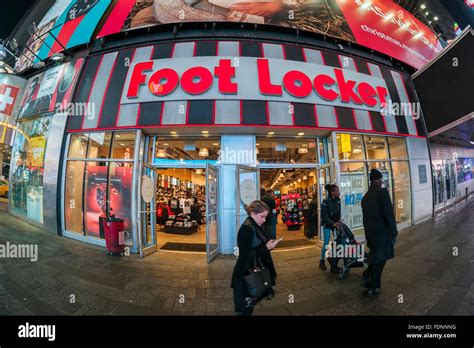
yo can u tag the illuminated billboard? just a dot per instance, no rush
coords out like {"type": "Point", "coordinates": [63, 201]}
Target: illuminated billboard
{"type": "Point", "coordinates": [67, 24]}
{"type": "Point", "coordinates": [378, 24]}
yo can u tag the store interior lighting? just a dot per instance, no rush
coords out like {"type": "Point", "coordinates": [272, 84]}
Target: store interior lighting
{"type": "Point", "coordinates": [203, 152]}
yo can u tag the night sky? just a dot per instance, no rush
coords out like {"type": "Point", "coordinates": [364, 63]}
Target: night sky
{"type": "Point", "coordinates": [11, 13]}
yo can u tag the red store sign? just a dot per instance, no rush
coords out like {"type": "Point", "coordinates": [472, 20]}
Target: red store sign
{"type": "Point", "coordinates": [251, 78]}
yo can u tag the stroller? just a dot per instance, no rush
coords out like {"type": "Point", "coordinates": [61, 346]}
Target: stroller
{"type": "Point", "coordinates": [352, 257]}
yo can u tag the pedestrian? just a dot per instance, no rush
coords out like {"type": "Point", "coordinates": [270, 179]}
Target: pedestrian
{"type": "Point", "coordinates": [313, 215]}
{"type": "Point", "coordinates": [251, 242]}
{"type": "Point", "coordinates": [330, 220]}
{"type": "Point", "coordinates": [380, 231]}
{"type": "Point", "coordinates": [268, 199]}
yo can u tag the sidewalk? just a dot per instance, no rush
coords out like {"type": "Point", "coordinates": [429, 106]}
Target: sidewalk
{"type": "Point", "coordinates": [424, 276]}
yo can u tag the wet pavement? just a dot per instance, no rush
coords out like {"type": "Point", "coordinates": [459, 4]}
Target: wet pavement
{"type": "Point", "coordinates": [432, 273]}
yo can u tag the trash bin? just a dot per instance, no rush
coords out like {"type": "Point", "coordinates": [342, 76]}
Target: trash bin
{"type": "Point", "coordinates": [102, 218]}
{"type": "Point", "coordinates": [114, 236]}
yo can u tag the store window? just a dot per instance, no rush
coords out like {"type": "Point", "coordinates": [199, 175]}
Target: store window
{"type": "Point", "coordinates": [99, 145]}
{"type": "Point", "coordinates": [358, 154]}
{"type": "Point", "coordinates": [123, 145]}
{"type": "Point", "coordinates": [376, 147]}
{"type": "Point", "coordinates": [401, 191]}
{"type": "Point", "coordinates": [78, 146]}
{"type": "Point", "coordinates": [464, 169]}
{"type": "Point", "coordinates": [73, 199]}
{"type": "Point", "coordinates": [28, 167]}
{"type": "Point", "coordinates": [98, 189]}
{"type": "Point", "coordinates": [286, 151]}
{"type": "Point", "coordinates": [168, 150]}
{"type": "Point", "coordinates": [353, 186]}
{"type": "Point", "coordinates": [397, 148]}
{"type": "Point", "coordinates": [350, 146]}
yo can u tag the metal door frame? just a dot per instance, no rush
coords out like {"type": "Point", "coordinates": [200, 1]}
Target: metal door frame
{"type": "Point", "coordinates": [146, 250]}
{"type": "Point", "coordinates": [212, 255]}
{"type": "Point", "coordinates": [238, 170]}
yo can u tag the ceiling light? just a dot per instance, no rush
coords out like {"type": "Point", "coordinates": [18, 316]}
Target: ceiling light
{"type": "Point", "coordinates": [258, 144]}
{"type": "Point", "coordinates": [427, 13]}
{"type": "Point", "coordinates": [203, 152]}
{"type": "Point", "coordinates": [300, 134]}
{"type": "Point", "coordinates": [215, 144]}
{"type": "Point", "coordinates": [305, 177]}
{"type": "Point", "coordinates": [435, 18]}
{"type": "Point", "coordinates": [423, 6]}
{"type": "Point", "coordinates": [357, 150]}
{"type": "Point", "coordinates": [302, 150]}
{"type": "Point", "coordinates": [355, 138]}
{"type": "Point", "coordinates": [165, 144]}
{"type": "Point", "coordinates": [57, 57]}
{"type": "Point", "coordinates": [270, 133]}
{"type": "Point", "coordinates": [311, 174]}
{"type": "Point", "coordinates": [299, 180]}
{"type": "Point", "coordinates": [173, 132]}
{"type": "Point", "coordinates": [121, 144]}
{"type": "Point", "coordinates": [205, 132]}
{"type": "Point", "coordinates": [161, 154]}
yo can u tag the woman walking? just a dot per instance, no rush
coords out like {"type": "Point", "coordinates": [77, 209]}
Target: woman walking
{"type": "Point", "coordinates": [252, 242]}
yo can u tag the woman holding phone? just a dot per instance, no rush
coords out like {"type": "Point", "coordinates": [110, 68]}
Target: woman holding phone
{"type": "Point", "coordinates": [252, 240]}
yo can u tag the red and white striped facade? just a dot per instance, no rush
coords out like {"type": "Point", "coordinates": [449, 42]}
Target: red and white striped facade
{"type": "Point", "coordinates": [104, 75]}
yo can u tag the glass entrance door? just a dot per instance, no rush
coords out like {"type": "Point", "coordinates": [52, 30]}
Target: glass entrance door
{"type": "Point", "coordinates": [147, 211]}
{"type": "Point", "coordinates": [246, 191]}
{"type": "Point", "coordinates": [212, 230]}
{"type": "Point", "coordinates": [324, 177]}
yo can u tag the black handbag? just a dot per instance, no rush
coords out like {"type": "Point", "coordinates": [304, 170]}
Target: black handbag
{"type": "Point", "coordinates": [258, 281]}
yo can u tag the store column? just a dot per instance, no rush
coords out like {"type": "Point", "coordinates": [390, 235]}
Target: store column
{"type": "Point", "coordinates": [235, 149]}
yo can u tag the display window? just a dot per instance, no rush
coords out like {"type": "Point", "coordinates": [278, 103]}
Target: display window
{"type": "Point", "coordinates": [192, 150]}
{"type": "Point", "coordinates": [353, 186]}
{"type": "Point", "coordinates": [397, 148]}
{"type": "Point", "coordinates": [95, 190]}
{"type": "Point", "coordinates": [350, 146]}
{"type": "Point", "coordinates": [28, 168]}
{"type": "Point", "coordinates": [376, 147]}
{"type": "Point", "coordinates": [358, 154]}
{"type": "Point", "coordinates": [401, 191]}
{"type": "Point", "coordinates": [273, 150]}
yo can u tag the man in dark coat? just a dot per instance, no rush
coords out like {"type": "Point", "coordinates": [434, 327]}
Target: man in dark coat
{"type": "Point", "coordinates": [380, 231]}
{"type": "Point", "coordinates": [270, 224]}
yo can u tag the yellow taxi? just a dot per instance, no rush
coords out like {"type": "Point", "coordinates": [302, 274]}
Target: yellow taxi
{"type": "Point", "coordinates": [3, 188]}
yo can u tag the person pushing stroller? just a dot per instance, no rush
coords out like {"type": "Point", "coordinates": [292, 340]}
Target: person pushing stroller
{"type": "Point", "coordinates": [330, 220]}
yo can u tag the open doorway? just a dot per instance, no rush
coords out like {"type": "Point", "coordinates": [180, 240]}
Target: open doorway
{"type": "Point", "coordinates": [181, 209]}
{"type": "Point", "coordinates": [293, 189]}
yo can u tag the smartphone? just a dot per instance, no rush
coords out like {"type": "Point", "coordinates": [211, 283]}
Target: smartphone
{"type": "Point", "coordinates": [279, 239]}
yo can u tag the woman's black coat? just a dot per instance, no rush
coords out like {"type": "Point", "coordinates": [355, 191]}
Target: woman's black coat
{"type": "Point", "coordinates": [330, 212]}
{"type": "Point", "coordinates": [245, 239]}
{"type": "Point", "coordinates": [379, 224]}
